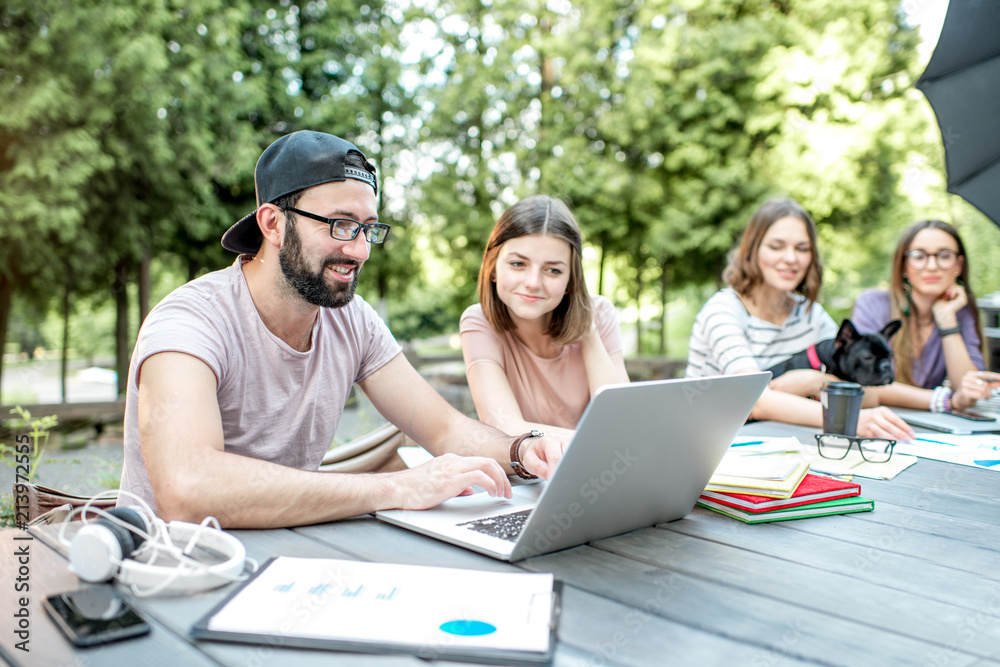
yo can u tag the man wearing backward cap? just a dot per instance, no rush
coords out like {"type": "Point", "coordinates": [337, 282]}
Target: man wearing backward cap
{"type": "Point", "coordinates": [239, 378]}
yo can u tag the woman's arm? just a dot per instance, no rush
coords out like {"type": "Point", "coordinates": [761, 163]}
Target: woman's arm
{"type": "Point", "coordinates": [957, 358]}
{"type": "Point", "coordinates": [497, 406]}
{"type": "Point", "coordinates": [808, 383]}
{"type": "Point", "coordinates": [904, 396]}
{"type": "Point", "coordinates": [603, 367]}
{"type": "Point", "coordinates": [975, 385]}
{"type": "Point", "coordinates": [875, 422]}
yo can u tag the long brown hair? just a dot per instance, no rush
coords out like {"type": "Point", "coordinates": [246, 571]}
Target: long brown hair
{"type": "Point", "coordinates": [899, 288]}
{"type": "Point", "coordinates": [743, 272]}
{"type": "Point", "coordinates": [543, 215]}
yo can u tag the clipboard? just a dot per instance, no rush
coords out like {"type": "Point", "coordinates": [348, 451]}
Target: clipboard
{"type": "Point", "coordinates": [431, 612]}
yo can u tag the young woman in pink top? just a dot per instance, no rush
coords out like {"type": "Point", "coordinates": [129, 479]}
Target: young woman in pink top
{"type": "Point", "coordinates": [537, 344]}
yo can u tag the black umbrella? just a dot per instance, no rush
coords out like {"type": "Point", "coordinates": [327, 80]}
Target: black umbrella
{"type": "Point", "coordinates": [962, 84]}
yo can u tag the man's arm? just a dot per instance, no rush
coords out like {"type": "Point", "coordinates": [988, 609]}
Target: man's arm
{"type": "Point", "coordinates": [180, 427]}
{"type": "Point", "coordinates": [403, 397]}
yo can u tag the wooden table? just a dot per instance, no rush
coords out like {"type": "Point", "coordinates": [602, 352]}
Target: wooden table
{"type": "Point", "coordinates": [916, 582]}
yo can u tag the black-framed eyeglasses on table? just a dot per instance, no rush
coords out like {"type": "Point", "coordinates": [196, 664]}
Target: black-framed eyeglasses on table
{"type": "Point", "coordinates": [345, 229]}
{"type": "Point", "coordinates": [873, 450]}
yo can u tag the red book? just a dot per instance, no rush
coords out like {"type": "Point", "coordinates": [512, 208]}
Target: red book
{"type": "Point", "coordinates": [813, 489]}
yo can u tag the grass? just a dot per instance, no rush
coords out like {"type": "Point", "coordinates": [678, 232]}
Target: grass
{"type": "Point", "coordinates": [18, 397]}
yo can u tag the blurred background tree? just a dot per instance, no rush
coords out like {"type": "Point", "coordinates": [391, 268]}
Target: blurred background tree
{"type": "Point", "coordinates": [130, 130]}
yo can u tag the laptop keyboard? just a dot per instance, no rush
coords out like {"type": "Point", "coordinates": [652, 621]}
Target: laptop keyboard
{"type": "Point", "coordinates": [503, 526]}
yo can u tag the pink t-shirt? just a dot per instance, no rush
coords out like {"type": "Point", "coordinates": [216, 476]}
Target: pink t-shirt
{"type": "Point", "coordinates": [277, 404]}
{"type": "Point", "coordinates": [548, 391]}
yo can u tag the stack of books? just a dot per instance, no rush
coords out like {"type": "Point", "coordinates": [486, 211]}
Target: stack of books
{"type": "Point", "coordinates": [759, 489]}
{"type": "Point", "coordinates": [772, 475]}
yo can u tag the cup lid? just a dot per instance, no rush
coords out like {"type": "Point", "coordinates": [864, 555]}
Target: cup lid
{"type": "Point", "coordinates": [845, 387]}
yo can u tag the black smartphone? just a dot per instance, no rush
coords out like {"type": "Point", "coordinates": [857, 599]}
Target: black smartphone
{"type": "Point", "coordinates": [972, 416]}
{"type": "Point", "coordinates": [95, 615]}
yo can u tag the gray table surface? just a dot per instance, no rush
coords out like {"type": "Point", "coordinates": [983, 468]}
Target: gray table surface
{"type": "Point", "coordinates": [916, 582]}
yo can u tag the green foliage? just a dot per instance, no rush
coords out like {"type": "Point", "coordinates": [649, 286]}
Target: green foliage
{"type": "Point", "coordinates": [663, 124]}
{"type": "Point", "coordinates": [15, 457]}
{"type": "Point", "coordinates": [666, 125]}
{"type": "Point", "coordinates": [39, 434]}
{"type": "Point", "coordinates": [92, 473]}
{"type": "Point", "coordinates": [421, 314]}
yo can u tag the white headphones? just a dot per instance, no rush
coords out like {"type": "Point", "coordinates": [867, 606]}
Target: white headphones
{"type": "Point", "coordinates": [140, 550]}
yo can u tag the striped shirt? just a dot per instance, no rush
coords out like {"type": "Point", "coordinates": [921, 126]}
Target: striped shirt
{"type": "Point", "coordinates": [727, 339]}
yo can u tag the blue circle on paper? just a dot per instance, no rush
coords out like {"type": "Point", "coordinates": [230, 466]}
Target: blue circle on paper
{"type": "Point", "coordinates": [468, 628]}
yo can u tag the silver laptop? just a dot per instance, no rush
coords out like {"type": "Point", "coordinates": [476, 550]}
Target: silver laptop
{"type": "Point", "coordinates": [641, 455]}
{"type": "Point", "coordinates": [982, 421]}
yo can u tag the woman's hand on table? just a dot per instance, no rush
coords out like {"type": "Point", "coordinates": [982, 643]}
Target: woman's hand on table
{"type": "Point", "coordinates": [882, 422]}
{"type": "Point", "coordinates": [976, 385]}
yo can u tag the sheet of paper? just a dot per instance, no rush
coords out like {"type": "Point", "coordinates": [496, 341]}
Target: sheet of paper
{"type": "Point", "coordinates": [754, 445]}
{"type": "Point", "coordinates": [980, 450]}
{"type": "Point", "coordinates": [856, 465]}
{"type": "Point", "coordinates": [385, 604]}
{"type": "Point", "coordinates": [772, 466]}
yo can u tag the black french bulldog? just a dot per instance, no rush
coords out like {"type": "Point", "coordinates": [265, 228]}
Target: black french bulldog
{"type": "Point", "coordinates": [851, 356]}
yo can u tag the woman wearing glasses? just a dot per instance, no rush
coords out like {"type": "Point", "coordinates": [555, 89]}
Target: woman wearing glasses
{"type": "Point", "coordinates": [537, 345]}
{"type": "Point", "coordinates": [941, 336]}
{"type": "Point", "coordinates": [769, 313]}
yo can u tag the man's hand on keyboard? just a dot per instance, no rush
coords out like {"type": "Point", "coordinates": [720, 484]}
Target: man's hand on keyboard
{"type": "Point", "coordinates": [445, 477]}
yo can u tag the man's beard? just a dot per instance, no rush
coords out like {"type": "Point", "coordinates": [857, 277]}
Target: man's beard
{"type": "Point", "coordinates": [313, 287]}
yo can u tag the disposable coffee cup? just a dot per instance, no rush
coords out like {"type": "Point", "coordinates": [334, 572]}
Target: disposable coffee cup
{"type": "Point", "coordinates": [841, 407]}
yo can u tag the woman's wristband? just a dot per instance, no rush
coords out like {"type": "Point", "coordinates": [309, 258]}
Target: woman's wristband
{"type": "Point", "coordinates": [950, 330]}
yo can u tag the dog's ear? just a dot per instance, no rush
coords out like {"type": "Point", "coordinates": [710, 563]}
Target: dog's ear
{"type": "Point", "coordinates": [891, 328]}
{"type": "Point", "coordinates": [847, 335]}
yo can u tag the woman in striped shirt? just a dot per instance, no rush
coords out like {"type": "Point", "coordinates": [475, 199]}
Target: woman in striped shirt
{"type": "Point", "coordinates": [768, 313]}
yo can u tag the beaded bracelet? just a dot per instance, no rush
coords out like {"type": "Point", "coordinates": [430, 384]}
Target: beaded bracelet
{"type": "Point", "coordinates": [941, 400]}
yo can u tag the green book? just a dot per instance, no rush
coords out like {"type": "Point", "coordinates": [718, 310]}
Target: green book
{"type": "Point", "coordinates": [826, 508]}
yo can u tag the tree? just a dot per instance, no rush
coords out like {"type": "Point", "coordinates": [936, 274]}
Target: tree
{"type": "Point", "coordinates": [50, 136]}
{"type": "Point", "coordinates": [851, 125]}
{"type": "Point", "coordinates": [479, 130]}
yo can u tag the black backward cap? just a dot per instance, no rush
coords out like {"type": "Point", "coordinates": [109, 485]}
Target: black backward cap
{"type": "Point", "coordinates": [294, 162]}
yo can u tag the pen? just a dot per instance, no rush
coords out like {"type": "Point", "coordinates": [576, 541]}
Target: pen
{"type": "Point", "coordinates": [847, 477]}
{"type": "Point", "coordinates": [744, 444]}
